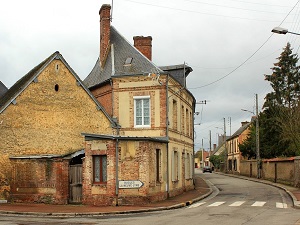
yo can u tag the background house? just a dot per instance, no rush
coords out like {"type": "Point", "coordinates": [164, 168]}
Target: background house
{"type": "Point", "coordinates": [234, 155]}
{"type": "Point", "coordinates": [229, 150]}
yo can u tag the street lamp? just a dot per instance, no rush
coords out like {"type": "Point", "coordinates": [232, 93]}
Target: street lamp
{"type": "Point", "coordinates": [245, 110]}
{"type": "Point", "coordinates": [280, 30]}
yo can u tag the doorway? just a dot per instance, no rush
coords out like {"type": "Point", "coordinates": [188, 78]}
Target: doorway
{"type": "Point", "coordinates": [75, 180]}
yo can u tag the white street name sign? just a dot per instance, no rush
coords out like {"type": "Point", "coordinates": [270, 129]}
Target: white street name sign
{"type": "Point", "coordinates": [130, 184]}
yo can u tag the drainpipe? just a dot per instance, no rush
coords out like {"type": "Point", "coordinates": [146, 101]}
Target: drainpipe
{"type": "Point", "coordinates": [167, 134]}
{"type": "Point", "coordinates": [118, 127]}
{"type": "Point", "coordinates": [117, 167]}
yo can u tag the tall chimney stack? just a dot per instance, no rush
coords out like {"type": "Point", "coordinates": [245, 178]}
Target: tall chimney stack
{"type": "Point", "coordinates": [144, 45]}
{"type": "Point", "coordinates": [104, 32]}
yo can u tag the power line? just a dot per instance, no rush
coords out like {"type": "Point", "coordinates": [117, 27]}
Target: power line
{"type": "Point", "coordinates": [231, 7]}
{"type": "Point", "coordinates": [230, 67]}
{"type": "Point", "coordinates": [192, 11]}
{"type": "Point", "coordinates": [256, 3]}
{"type": "Point", "coordinates": [244, 62]}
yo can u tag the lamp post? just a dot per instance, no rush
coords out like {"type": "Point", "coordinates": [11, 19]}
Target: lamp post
{"type": "Point", "coordinates": [258, 160]}
{"type": "Point", "coordinates": [280, 30]}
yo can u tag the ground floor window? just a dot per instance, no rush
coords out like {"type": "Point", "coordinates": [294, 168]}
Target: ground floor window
{"type": "Point", "coordinates": [158, 165]}
{"type": "Point", "coordinates": [235, 164]}
{"type": "Point", "coordinates": [230, 165]}
{"type": "Point", "coordinates": [100, 168]}
{"type": "Point", "coordinates": [175, 166]}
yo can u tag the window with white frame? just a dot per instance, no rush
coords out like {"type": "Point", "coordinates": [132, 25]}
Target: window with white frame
{"type": "Point", "coordinates": [142, 111]}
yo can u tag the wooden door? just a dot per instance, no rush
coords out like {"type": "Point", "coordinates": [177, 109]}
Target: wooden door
{"type": "Point", "coordinates": [75, 182]}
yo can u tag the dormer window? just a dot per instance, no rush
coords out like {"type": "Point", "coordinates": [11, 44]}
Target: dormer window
{"type": "Point", "coordinates": [128, 61]}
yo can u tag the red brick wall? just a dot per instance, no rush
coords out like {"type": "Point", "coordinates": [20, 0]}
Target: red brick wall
{"type": "Point", "coordinates": [99, 194]}
{"type": "Point", "coordinates": [61, 168]}
{"type": "Point", "coordinates": [40, 181]}
{"type": "Point", "coordinates": [133, 164]}
{"type": "Point", "coordinates": [104, 96]}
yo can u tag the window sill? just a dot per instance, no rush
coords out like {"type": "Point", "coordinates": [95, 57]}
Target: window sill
{"type": "Point", "coordinates": [100, 184]}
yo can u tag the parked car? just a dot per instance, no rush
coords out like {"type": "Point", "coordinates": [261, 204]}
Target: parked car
{"type": "Point", "coordinates": [207, 169]}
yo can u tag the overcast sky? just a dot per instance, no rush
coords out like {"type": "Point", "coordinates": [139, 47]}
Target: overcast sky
{"type": "Point", "coordinates": [228, 44]}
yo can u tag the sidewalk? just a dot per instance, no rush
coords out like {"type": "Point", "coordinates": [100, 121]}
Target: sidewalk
{"type": "Point", "coordinates": [201, 191]}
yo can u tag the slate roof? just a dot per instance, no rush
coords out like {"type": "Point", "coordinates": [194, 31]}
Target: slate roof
{"type": "Point", "coordinates": [3, 89]}
{"type": "Point", "coordinates": [240, 131]}
{"type": "Point", "coordinates": [179, 72]}
{"type": "Point", "coordinates": [120, 50]}
{"type": "Point", "coordinates": [10, 96]}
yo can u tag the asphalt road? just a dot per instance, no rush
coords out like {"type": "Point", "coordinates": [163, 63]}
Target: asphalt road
{"type": "Point", "coordinates": [234, 201]}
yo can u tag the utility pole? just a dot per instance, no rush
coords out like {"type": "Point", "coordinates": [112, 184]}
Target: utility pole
{"type": "Point", "coordinates": [257, 142]}
{"type": "Point", "coordinates": [209, 145]}
{"type": "Point", "coordinates": [202, 154]}
{"type": "Point", "coordinates": [225, 146]}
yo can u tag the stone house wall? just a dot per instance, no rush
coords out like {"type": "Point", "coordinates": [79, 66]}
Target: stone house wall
{"type": "Point", "coordinates": [48, 118]}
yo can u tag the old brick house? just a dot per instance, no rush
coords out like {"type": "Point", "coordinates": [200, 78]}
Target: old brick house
{"type": "Point", "coordinates": [123, 136]}
{"type": "Point", "coordinates": [146, 101]}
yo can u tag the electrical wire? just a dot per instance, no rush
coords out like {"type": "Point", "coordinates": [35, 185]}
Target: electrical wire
{"type": "Point", "coordinates": [256, 3]}
{"type": "Point", "coordinates": [231, 7]}
{"type": "Point", "coordinates": [192, 11]}
{"type": "Point", "coordinates": [244, 62]}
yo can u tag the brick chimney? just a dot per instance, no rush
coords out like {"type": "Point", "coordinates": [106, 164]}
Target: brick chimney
{"type": "Point", "coordinates": [144, 45]}
{"type": "Point", "coordinates": [104, 32]}
{"type": "Point", "coordinates": [244, 123]}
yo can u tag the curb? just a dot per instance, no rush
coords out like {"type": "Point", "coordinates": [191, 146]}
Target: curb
{"type": "Point", "coordinates": [98, 214]}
